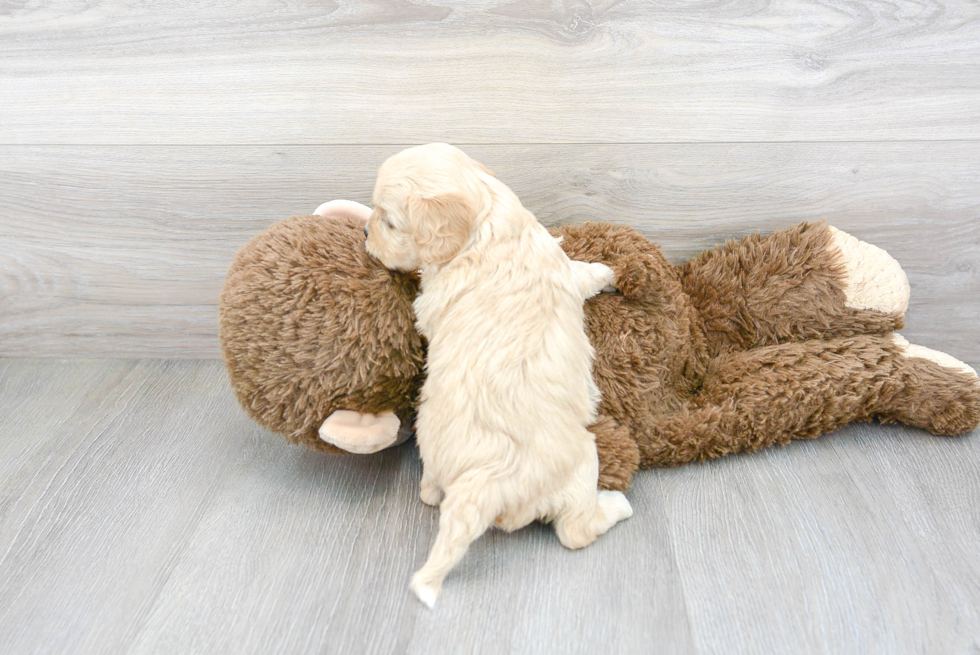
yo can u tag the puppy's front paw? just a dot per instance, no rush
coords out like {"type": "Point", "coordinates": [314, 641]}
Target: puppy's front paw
{"type": "Point", "coordinates": [605, 277]}
{"type": "Point", "coordinates": [593, 278]}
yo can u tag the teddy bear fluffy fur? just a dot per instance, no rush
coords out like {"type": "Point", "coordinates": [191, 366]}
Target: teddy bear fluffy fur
{"type": "Point", "coordinates": [759, 341]}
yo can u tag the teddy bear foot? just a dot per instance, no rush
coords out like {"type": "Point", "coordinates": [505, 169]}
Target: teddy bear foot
{"type": "Point", "coordinates": [940, 358]}
{"type": "Point", "coordinates": [872, 277]}
{"type": "Point", "coordinates": [939, 392]}
{"type": "Point", "coordinates": [360, 433]}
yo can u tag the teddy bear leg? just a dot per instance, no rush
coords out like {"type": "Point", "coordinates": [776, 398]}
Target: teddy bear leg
{"type": "Point", "coordinates": [753, 399]}
{"type": "Point", "coordinates": [932, 390]}
{"type": "Point", "coordinates": [619, 456]}
{"type": "Point", "coordinates": [806, 282]}
{"type": "Point", "coordinates": [870, 277]}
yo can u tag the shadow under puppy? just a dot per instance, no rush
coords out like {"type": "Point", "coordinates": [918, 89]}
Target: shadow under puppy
{"type": "Point", "coordinates": [502, 419]}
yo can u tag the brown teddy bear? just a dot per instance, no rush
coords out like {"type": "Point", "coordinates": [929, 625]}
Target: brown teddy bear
{"type": "Point", "coordinates": [756, 342]}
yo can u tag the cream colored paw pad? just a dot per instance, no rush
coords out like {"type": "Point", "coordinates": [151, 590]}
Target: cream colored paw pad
{"type": "Point", "coordinates": [360, 433]}
{"type": "Point", "coordinates": [872, 277]}
{"type": "Point", "coordinates": [944, 360]}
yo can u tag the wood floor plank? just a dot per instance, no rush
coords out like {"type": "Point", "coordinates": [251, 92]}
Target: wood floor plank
{"type": "Point", "coordinates": [491, 71]}
{"type": "Point", "coordinates": [159, 519]}
{"type": "Point", "coordinates": [43, 404]}
{"type": "Point", "coordinates": [102, 504]}
{"type": "Point", "coordinates": [157, 522]}
{"type": "Point", "coordinates": [323, 548]}
{"type": "Point", "coordinates": [929, 490]}
{"type": "Point", "coordinates": [524, 593]}
{"type": "Point", "coordinates": [123, 252]}
{"type": "Point", "coordinates": [300, 553]}
{"type": "Point", "coordinates": [793, 550]}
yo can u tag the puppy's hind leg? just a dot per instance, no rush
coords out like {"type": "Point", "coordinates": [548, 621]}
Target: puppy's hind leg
{"type": "Point", "coordinates": [585, 514]}
{"type": "Point", "coordinates": [465, 514]}
{"type": "Point", "coordinates": [429, 490]}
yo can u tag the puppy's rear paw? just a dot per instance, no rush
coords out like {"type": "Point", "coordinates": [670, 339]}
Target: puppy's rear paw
{"type": "Point", "coordinates": [615, 505]}
{"type": "Point", "coordinates": [578, 530]}
{"type": "Point", "coordinates": [431, 494]}
{"type": "Point", "coordinates": [424, 592]}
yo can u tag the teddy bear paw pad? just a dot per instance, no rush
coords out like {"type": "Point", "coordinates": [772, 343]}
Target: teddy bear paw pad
{"type": "Point", "coordinates": [360, 433]}
{"type": "Point", "coordinates": [872, 277]}
{"type": "Point", "coordinates": [935, 356]}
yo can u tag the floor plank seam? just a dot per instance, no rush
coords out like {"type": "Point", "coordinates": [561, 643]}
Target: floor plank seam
{"type": "Point", "coordinates": [677, 567]}
{"type": "Point", "coordinates": [510, 144]}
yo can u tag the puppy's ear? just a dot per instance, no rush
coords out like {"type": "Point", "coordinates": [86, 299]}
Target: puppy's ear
{"type": "Point", "coordinates": [440, 225]}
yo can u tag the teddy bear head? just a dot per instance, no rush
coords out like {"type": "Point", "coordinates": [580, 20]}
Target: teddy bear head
{"type": "Point", "coordinates": [312, 327]}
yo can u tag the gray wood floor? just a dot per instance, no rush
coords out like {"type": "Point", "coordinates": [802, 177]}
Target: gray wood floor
{"type": "Point", "coordinates": [142, 512]}
{"type": "Point", "coordinates": [142, 143]}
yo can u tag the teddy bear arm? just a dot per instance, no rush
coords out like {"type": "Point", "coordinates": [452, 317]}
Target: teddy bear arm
{"type": "Point", "coordinates": [809, 281]}
{"type": "Point", "coordinates": [641, 271]}
{"type": "Point", "coordinates": [645, 277]}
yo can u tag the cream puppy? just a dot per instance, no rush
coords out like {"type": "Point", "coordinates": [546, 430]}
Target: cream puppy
{"type": "Point", "coordinates": [502, 421]}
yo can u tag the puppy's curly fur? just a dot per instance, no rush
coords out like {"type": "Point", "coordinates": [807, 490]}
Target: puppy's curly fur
{"type": "Point", "coordinates": [502, 421]}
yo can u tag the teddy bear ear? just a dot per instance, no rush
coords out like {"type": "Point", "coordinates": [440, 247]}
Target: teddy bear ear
{"type": "Point", "coordinates": [440, 225]}
{"type": "Point", "coordinates": [342, 209]}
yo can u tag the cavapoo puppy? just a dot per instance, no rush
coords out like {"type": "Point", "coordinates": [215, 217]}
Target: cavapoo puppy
{"type": "Point", "coordinates": [502, 421]}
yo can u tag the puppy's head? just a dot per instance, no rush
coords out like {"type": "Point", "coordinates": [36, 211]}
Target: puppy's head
{"type": "Point", "coordinates": [426, 200]}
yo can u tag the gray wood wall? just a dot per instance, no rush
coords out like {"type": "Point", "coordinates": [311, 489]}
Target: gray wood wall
{"type": "Point", "coordinates": [142, 143]}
